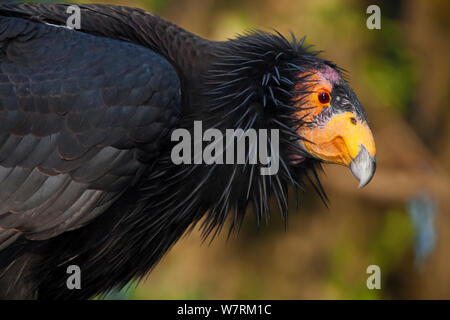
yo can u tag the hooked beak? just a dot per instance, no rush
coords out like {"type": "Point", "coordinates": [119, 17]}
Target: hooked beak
{"type": "Point", "coordinates": [346, 141]}
{"type": "Point", "coordinates": [363, 166]}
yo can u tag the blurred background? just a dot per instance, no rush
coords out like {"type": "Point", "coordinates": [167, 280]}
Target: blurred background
{"type": "Point", "coordinates": [400, 221]}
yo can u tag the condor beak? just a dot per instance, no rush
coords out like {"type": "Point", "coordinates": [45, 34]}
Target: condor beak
{"type": "Point", "coordinates": [363, 166]}
{"type": "Point", "coordinates": [344, 140]}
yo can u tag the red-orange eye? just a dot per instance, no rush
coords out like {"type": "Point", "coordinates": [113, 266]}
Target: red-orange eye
{"type": "Point", "coordinates": [324, 97]}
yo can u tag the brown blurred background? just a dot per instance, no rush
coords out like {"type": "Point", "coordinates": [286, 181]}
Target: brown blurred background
{"type": "Point", "coordinates": [399, 222]}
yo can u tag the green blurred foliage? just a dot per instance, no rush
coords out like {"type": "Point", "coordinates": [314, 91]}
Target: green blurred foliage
{"type": "Point", "coordinates": [393, 241]}
{"type": "Point", "coordinates": [390, 68]}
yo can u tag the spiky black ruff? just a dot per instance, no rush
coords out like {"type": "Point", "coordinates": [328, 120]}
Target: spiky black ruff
{"type": "Point", "coordinates": [252, 82]}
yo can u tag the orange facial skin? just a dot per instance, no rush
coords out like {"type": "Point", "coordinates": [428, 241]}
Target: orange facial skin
{"type": "Point", "coordinates": [318, 84]}
{"type": "Point", "coordinates": [339, 140]}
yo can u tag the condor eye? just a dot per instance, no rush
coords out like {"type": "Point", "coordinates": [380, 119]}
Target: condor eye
{"type": "Point", "coordinates": [324, 97]}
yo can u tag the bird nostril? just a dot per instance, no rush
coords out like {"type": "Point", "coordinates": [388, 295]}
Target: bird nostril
{"type": "Point", "coordinates": [353, 120]}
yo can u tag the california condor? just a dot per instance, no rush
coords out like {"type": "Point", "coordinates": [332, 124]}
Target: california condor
{"type": "Point", "coordinates": [86, 123]}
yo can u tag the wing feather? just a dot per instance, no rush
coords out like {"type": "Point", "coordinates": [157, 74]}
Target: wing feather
{"type": "Point", "coordinates": [81, 118]}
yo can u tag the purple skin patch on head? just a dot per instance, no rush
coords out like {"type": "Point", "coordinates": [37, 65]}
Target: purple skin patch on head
{"type": "Point", "coordinates": [329, 74]}
{"type": "Point", "coordinates": [295, 158]}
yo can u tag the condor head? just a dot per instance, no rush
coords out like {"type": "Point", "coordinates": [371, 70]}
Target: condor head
{"type": "Point", "coordinates": [335, 127]}
{"type": "Point", "coordinates": [266, 81]}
